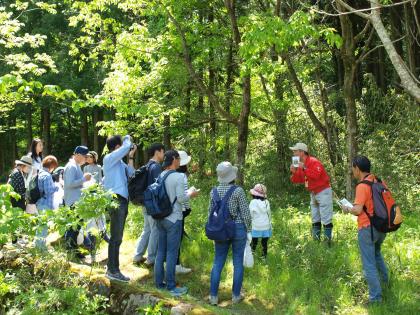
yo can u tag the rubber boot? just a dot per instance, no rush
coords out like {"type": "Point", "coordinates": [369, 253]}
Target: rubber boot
{"type": "Point", "coordinates": [328, 232]}
{"type": "Point", "coordinates": [316, 231]}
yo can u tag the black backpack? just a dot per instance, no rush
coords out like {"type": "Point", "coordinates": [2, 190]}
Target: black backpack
{"type": "Point", "coordinates": [137, 184]}
{"type": "Point", "coordinates": [33, 193]}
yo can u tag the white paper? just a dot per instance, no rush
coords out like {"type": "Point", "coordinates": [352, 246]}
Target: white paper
{"type": "Point", "coordinates": [346, 203]}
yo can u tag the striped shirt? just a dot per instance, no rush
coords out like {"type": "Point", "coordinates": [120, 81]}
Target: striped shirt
{"type": "Point", "coordinates": [238, 205]}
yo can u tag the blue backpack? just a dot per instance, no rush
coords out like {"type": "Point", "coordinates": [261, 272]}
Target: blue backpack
{"type": "Point", "coordinates": [220, 225]}
{"type": "Point", "coordinates": [156, 200]}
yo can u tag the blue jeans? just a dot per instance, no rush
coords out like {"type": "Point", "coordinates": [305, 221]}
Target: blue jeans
{"type": "Point", "coordinates": [373, 263]}
{"type": "Point", "coordinates": [148, 239]}
{"type": "Point", "coordinates": [221, 250]}
{"type": "Point", "coordinates": [168, 246]}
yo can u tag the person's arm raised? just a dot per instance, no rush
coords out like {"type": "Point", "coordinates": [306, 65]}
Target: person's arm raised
{"type": "Point", "coordinates": [118, 154]}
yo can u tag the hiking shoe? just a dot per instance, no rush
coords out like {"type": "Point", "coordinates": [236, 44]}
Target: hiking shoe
{"type": "Point", "coordinates": [117, 276]}
{"type": "Point", "coordinates": [179, 269]}
{"type": "Point", "coordinates": [139, 261]}
{"type": "Point", "coordinates": [237, 299]}
{"type": "Point", "coordinates": [214, 300]}
{"type": "Point", "coordinates": [149, 264]}
{"type": "Point", "coordinates": [178, 291]}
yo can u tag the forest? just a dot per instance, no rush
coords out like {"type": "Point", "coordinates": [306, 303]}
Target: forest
{"type": "Point", "coordinates": [233, 80]}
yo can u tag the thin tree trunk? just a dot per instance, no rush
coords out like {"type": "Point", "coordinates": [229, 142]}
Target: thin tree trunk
{"type": "Point", "coordinates": [350, 68]}
{"type": "Point", "coordinates": [243, 122]}
{"type": "Point", "coordinates": [46, 129]}
{"type": "Point", "coordinates": [29, 133]}
{"type": "Point", "coordinates": [95, 120]}
{"type": "Point", "coordinates": [84, 128]}
{"type": "Point", "coordinates": [230, 66]}
{"type": "Point", "coordinates": [167, 131]}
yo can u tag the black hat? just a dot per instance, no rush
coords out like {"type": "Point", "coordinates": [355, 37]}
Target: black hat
{"type": "Point", "coordinates": [169, 157]}
{"type": "Point", "coordinates": [81, 149]}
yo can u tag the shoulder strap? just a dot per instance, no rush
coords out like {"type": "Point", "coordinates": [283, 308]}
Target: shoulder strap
{"type": "Point", "coordinates": [163, 178]}
{"type": "Point", "coordinates": [215, 194]}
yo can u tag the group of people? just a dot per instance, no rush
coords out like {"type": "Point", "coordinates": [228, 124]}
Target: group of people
{"type": "Point", "coordinates": [161, 238]}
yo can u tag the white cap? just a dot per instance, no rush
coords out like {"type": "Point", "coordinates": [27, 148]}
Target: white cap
{"type": "Point", "coordinates": [299, 146]}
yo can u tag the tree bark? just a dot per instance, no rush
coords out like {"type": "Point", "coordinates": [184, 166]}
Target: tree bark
{"type": "Point", "coordinates": [407, 80]}
{"type": "Point", "coordinates": [243, 121]}
{"type": "Point", "coordinates": [348, 51]}
{"type": "Point", "coordinates": [84, 128]}
{"type": "Point", "coordinates": [29, 133]}
{"type": "Point", "coordinates": [167, 131]}
{"type": "Point", "coordinates": [46, 129]}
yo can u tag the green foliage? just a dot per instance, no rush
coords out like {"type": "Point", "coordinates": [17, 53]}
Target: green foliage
{"type": "Point", "coordinates": [11, 219]}
{"type": "Point", "coordinates": [157, 309]}
{"type": "Point", "coordinates": [94, 202]}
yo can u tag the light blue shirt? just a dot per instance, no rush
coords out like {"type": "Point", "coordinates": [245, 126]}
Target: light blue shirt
{"type": "Point", "coordinates": [73, 182]}
{"type": "Point", "coordinates": [116, 172]}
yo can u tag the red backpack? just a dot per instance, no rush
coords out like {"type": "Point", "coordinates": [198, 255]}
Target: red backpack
{"type": "Point", "coordinates": [386, 215]}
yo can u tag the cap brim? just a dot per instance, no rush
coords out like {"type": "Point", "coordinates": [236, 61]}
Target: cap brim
{"type": "Point", "coordinates": [293, 148]}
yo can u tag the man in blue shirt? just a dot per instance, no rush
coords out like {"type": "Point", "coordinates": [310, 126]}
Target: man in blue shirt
{"type": "Point", "coordinates": [73, 183]}
{"type": "Point", "coordinates": [149, 237]}
{"type": "Point", "coordinates": [116, 174]}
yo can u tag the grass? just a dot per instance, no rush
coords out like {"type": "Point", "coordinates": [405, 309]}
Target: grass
{"type": "Point", "coordinates": [301, 276]}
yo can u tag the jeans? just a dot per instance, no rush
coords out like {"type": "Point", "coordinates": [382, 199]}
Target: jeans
{"type": "Point", "coordinates": [168, 246]}
{"type": "Point", "coordinates": [118, 216]}
{"type": "Point", "coordinates": [148, 239]}
{"type": "Point", "coordinates": [373, 263]}
{"type": "Point", "coordinates": [221, 251]}
{"type": "Point", "coordinates": [41, 234]}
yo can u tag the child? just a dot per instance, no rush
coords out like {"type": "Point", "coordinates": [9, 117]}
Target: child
{"type": "Point", "coordinates": [92, 167]}
{"type": "Point", "coordinates": [261, 217]}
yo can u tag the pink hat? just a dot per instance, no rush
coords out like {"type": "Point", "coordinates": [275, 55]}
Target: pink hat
{"type": "Point", "coordinates": [259, 190]}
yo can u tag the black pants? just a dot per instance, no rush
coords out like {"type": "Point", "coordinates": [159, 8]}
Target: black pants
{"type": "Point", "coordinates": [118, 216]}
{"type": "Point", "coordinates": [264, 242]}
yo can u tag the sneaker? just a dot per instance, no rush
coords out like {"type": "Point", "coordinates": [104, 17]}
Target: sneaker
{"type": "Point", "coordinates": [237, 299]}
{"type": "Point", "coordinates": [214, 300]}
{"type": "Point", "coordinates": [179, 269]}
{"type": "Point", "coordinates": [117, 276]}
{"type": "Point", "coordinates": [178, 291]}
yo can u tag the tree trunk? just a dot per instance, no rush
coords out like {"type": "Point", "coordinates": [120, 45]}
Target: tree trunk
{"type": "Point", "coordinates": [213, 131]}
{"type": "Point", "coordinates": [230, 66]}
{"type": "Point", "coordinates": [243, 121]}
{"type": "Point", "coordinates": [243, 127]}
{"type": "Point", "coordinates": [95, 120]}
{"type": "Point", "coordinates": [29, 134]}
{"type": "Point", "coordinates": [84, 128]}
{"type": "Point", "coordinates": [407, 80]}
{"type": "Point", "coordinates": [12, 138]}
{"type": "Point", "coordinates": [167, 131]}
{"type": "Point", "coordinates": [410, 39]}
{"type": "Point", "coordinates": [46, 129]}
{"type": "Point", "coordinates": [350, 67]}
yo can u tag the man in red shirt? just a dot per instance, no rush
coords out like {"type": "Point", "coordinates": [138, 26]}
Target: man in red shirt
{"type": "Point", "coordinates": [309, 171]}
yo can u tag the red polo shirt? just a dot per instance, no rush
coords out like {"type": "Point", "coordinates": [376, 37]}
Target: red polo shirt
{"type": "Point", "coordinates": [314, 176]}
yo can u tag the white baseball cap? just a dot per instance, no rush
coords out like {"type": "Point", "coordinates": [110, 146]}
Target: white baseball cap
{"type": "Point", "coordinates": [299, 146]}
